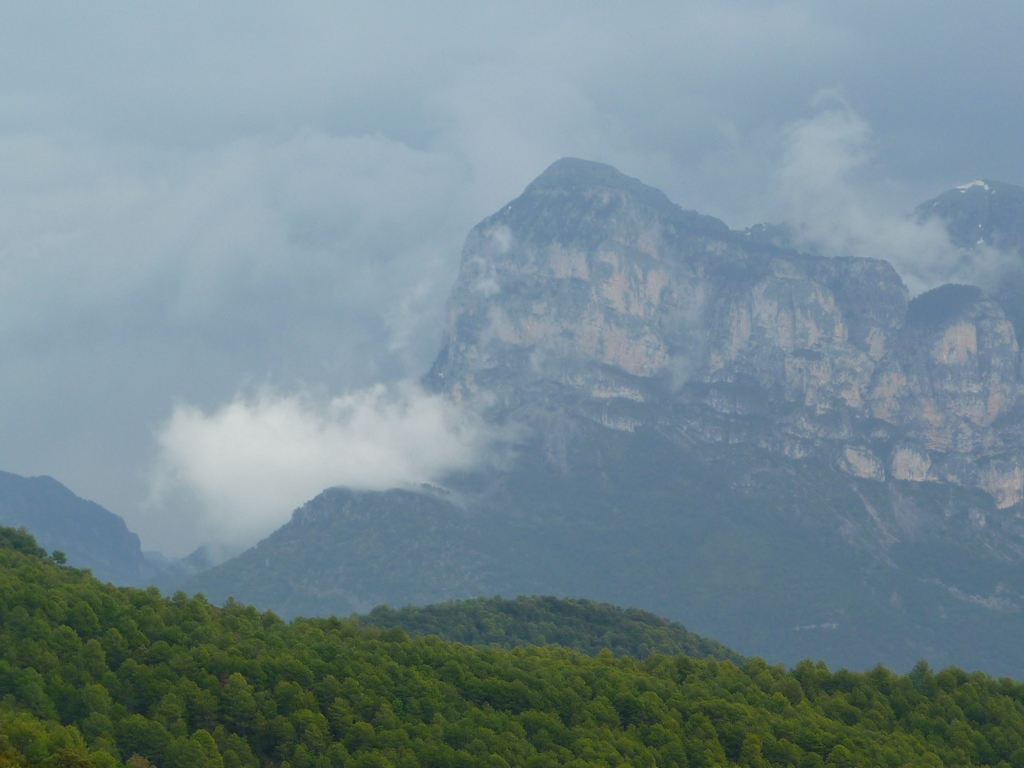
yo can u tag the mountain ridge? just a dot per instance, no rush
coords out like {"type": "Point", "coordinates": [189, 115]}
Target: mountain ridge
{"type": "Point", "coordinates": [739, 544]}
{"type": "Point", "coordinates": [982, 212]}
{"type": "Point", "coordinates": [92, 537]}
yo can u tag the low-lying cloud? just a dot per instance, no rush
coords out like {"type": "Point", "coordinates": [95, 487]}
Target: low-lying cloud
{"type": "Point", "coordinates": [248, 464]}
{"type": "Point", "coordinates": [826, 191]}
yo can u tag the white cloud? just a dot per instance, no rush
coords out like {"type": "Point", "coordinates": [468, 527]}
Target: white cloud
{"type": "Point", "coordinates": [253, 461]}
{"type": "Point", "coordinates": [826, 192]}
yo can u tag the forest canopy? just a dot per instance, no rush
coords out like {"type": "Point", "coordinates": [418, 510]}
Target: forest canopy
{"type": "Point", "coordinates": [94, 675]}
{"type": "Point", "coordinates": [583, 625]}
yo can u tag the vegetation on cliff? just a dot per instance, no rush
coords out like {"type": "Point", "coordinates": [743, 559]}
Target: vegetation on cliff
{"type": "Point", "coordinates": [93, 675]}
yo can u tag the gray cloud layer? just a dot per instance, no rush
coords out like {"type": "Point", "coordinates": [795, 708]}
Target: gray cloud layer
{"type": "Point", "coordinates": [198, 198]}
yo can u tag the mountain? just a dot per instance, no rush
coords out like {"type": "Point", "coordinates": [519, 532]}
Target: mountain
{"type": "Point", "coordinates": [982, 216]}
{"type": "Point", "coordinates": [346, 552]}
{"type": "Point", "coordinates": [594, 293]}
{"type": "Point", "coordinates": [983, 212]}
{"type": "Point", "coordinates": [91, 536]}
{"type": "Point", "coordinates": [98, 676]}
{"type": "Point", "coordinates": [781, 450]}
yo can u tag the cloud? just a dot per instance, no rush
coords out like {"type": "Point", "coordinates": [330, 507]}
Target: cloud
{"type": "Point", "coordinates": [130, 277]}
{"type": "Point", "coordinates": [325, 225]}
{"type": "Point", "coordinates": [826, 191]}
{"type": "Point", "coordinates": [251, 462]}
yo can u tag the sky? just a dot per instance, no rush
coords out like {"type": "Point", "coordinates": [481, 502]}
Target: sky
{"type": "Point", "coordinates": [228, 230]}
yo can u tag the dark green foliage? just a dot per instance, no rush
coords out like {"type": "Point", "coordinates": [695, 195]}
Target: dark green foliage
{"type": "Point", "coordinates": [93, 675]}
{"type": "Point", "coordinates": [21, 540]}
{"type": "Point", "coordinates": [583, 625]}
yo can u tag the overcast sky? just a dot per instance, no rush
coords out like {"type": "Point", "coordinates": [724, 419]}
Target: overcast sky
{"type": "Point", "coordinates": [203, 203]}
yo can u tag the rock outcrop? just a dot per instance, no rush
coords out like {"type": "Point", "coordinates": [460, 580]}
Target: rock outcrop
{"type": "Point", "coordinates": [593, 294]}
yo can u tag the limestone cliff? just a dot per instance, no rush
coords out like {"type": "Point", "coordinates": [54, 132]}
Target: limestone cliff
{"type": "Point", "coordinates": [592, 294]}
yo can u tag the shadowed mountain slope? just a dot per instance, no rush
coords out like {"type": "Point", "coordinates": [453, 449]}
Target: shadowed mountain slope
{"type": "Point", "coordinates": [769, 555]}
{"type": "Point", "coordinates": [983, 212]}
{"type": "Point", "coordinates": [91, 536]}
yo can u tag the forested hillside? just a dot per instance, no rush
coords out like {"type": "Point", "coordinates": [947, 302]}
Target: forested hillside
{"type": "Point", "coordinates": [583, 625]}
{"type": "Point", "coordinates": [94, 675]}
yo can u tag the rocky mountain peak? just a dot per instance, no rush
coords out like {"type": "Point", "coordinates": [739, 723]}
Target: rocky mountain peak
{"type": "Point", "coordinates": [574, 172]}
{"type": "Point", "coordinates": [982, 212]}
{"type": "Point", "coordinates": [593, 294]}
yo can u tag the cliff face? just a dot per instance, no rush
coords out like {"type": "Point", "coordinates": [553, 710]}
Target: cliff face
{"type": "Point", "coordinates": [593, 294]}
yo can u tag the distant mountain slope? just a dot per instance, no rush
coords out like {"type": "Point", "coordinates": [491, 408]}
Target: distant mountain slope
{"type": "Point", "coordinates": [91, 536]}
{"type": "Point", "coordinates": [582, 625]}
{"type": "Point", "coordinates": [774, 557]}
{"type": "Point", "coordinates": [984, 215]}
{"type": "Point", "coordinates": [345, 552]}
{"type": "Point", "coordinates": [983, 212]}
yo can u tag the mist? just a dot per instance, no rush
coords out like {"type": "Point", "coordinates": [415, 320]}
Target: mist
{"type": "Point", "coordinates": [835, 208]}
{"type": "Point", "coordinates": [249, 463]}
